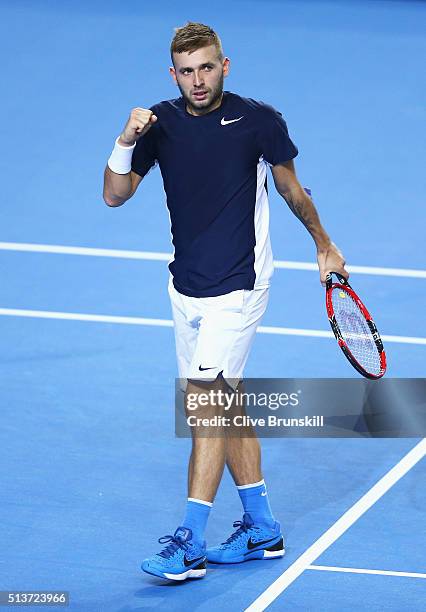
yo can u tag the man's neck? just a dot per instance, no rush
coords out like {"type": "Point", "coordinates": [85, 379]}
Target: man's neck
{"type": "Point", "coordinates": [206, 111]}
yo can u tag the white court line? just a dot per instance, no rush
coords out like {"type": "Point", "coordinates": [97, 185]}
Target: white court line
{"type": "Point", "coordinates": [357, 570]}
{"type": "Point", "coordinates": [77, 316]}
{"type": "Point", "coordinates": [319, 333]}
{"type": "Point", "coordinates": [262, 329]}
{"type": "Point", "coordinates": [340, 526]}
{"type": "Point", "coordinates": [88, 251]}
{"type": "Point", "coordinates": [156, 256]}
{"type": "Point", "coordinates": [373, 270]}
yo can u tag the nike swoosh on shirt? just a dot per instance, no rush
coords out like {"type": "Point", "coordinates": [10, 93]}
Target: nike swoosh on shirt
{"type": "Point", "coordinates": [224, 121]}
{"type": "Point", "coordinates": [202, 369]}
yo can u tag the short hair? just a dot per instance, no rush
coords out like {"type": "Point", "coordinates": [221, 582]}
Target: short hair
{"type": "Point", "coordinates": [193, 36]}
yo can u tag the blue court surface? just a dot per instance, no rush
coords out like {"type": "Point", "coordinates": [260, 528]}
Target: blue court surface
{"type": "Point", "coordinates": [91, 472]}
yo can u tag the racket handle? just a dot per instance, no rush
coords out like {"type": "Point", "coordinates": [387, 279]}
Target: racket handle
{"type": "Point", "coordinates": [342, 280]}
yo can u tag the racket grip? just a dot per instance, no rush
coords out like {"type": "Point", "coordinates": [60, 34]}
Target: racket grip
{"type": "Point", "coordinates": [342, 280]}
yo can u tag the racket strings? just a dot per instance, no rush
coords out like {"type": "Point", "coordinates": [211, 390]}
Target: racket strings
{"type": "Point", "coordinates": [355, 331]}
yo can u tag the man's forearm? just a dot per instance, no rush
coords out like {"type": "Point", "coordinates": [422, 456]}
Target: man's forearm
{"type": "Point", "coordinates": [302, 206]}
{"type": "Point", "coordinates": [117, 187]}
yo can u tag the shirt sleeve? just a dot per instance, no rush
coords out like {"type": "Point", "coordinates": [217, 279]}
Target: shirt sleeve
{"type": "Point", "coordinates": [275, 143]}
{"type": "Point", "coordinates": [144, 154]}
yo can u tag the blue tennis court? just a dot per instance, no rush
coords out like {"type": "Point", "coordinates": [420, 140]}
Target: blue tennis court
{"type": "Point", "coordinates": [91, 471]}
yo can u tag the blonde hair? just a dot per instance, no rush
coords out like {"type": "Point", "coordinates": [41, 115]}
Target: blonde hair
{"type": "Point", "coordinates": [193, 36]}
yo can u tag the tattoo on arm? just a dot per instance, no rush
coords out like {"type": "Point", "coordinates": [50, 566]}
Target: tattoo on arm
{"type": "Point", "coordinates": [304, 209]}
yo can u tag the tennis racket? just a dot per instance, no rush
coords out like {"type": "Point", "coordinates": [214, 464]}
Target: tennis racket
{"type": "Point", "coordinates": [355, 330]}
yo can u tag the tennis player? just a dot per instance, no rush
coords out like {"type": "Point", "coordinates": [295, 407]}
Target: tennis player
{"type": "Point", "coordinates": [213, 148]}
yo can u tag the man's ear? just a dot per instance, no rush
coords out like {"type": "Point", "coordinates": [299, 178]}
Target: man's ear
{"type": "Point", "coordinates": [173, 73]}
{"type": "Point", "coordinates": [226, 65]}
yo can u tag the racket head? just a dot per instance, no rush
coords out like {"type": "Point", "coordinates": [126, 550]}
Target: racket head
{"type": "Point", "coordinates": [354, 328]}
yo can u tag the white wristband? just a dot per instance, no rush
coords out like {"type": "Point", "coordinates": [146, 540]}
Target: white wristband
{"type": "Point", "coordinates": [120, 160]}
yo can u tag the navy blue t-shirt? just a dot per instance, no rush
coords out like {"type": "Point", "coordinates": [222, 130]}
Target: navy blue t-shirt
{"type": "Point", "coordinates": [214, 173]}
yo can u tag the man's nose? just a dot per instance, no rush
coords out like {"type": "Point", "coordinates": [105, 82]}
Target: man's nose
{"type": "Point", "coordinates": [198, 80]}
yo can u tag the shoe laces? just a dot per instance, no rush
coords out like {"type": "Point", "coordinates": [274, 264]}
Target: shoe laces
{"type": "Point", "coordinates": [241, 527]}
{"type": "Point", "coordinates": [170, 549]}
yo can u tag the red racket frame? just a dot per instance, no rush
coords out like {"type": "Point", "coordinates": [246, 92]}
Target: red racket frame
{"type": "Point", "coordinates": [343, 285]}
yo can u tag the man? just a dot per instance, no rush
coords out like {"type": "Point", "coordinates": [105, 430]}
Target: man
{"type": "Point", "coordinates": [213, 148]}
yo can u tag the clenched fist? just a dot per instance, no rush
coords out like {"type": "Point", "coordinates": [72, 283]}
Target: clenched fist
{"type": "Point", "coordinates": [140, 120]}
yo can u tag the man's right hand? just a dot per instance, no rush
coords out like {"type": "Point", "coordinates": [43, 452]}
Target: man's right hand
{"type": "Point", "coordinates": [140, 120]}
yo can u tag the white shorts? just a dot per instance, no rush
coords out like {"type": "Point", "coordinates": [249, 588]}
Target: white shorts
{"type": "Point", "coordinates": [214, 334]}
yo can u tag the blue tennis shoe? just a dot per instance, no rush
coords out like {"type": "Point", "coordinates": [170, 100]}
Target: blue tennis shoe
{"type": "Point", "coordinates": [250, 541]}
{"type": "Point", "coordinates": [180, 559]}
